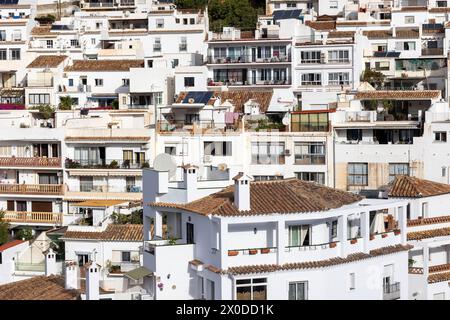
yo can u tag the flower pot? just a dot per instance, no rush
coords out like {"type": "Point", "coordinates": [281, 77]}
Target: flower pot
{"type": "Point", "coordinates": [252, 251]}
{"type": "Point", "coordinates": [264, 251]}
{"type": "Point", "coordinates": [397, 232]}
{"type": "Point", "coordinates": [233, 253]}
{"type": "Point", "coordinates": [353, 241]}
{"type": "Point", "coordinates": [384, 235]}
{"type": "Point", "coordinates": [333, 245]}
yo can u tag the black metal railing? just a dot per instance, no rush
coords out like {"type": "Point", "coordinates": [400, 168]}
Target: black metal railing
{"type": "Point", "coordinates": [105, 164]}
{"type": "Point", "coordinates": [391, 287]}
{"type": "Point", "coordinates": [249, 59]}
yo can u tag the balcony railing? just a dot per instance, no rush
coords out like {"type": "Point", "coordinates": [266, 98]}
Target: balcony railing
{"type": "Point", "coordinates": [34, 267]}
{"type": "Point", "coordinates": [310, 159]}
{"type": "Point", "coordinates": [33, 217]}
{"type": "Point", "coordinates": [195, 126]}
{"type": "Point", "coordinates": [432, 51]}
{"type": "Point", "coordinates": [105, 164]}
{"type": "Point", "coordinates": [29, 162]}
{"type": "Point", "coordinates": [123, 266]}
{"type": "Point", "coordinates": [248, 59]}
{"type": "Point", "coordinates": [46, 189]}
{"type": "Point", "coordinates": [239, 81]}
{"type": "Point", "coordinates": [391, 291]}
{"type": "Point", "coordinates": [251, 251]}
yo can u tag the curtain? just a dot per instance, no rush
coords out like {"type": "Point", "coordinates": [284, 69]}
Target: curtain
{"type": "Point", "coordinates": [377, 225]}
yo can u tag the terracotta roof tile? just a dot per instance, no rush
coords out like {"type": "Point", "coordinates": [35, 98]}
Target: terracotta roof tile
{"type": "Point", "coordinates": [428, 221]}
{"type": "Point", "coordinates": [363, 23]}
{"type": "Point", "coordinates": [426, 234]}
{"type": "Point", "coordinates": [438, 277]}
{"type": "Point", "coordinates": [398, 94]}
{"type": "Point", "coordinates": [196, 262]}
{"type": "Point", "coordinates": [407, 33]}
{"type": "Point", "coordinates": [439, 10]}
{"type": "Point", "coordinates": [50, 61]}
{"type": "Point", "coordinates": [321, 25]}
{"type": "Point", "coordinates": [10, 244]}
{"type": "Point", "coordinates": [113, 232]}
{"type": "Point", "coordinates": [38, 288]}
{"type": "Point", "coordinates": [266, 268]}
{"type": "Point", "coordinates": [378, 34]}
{"type": "Point", "coordinates": [41, 30]}
{"type": "Point", "coordinates": [411, 187]}
{"type": "Point", "coordinates": [414, 8]}
{"type": "Point", "coordinates": [267, 197]}
{"type": "Point", "coordinates": [341, 34]}
{"type": "Point", "coordinates": [71, 138]}
{"type": "Point", "coordinates": [104, 65]}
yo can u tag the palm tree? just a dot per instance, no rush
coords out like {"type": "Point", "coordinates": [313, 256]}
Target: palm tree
{"type": "Point", "coordinates": [65, 103]}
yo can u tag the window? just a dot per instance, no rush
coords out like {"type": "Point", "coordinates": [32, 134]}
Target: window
{"type": "Point", "coordinates": [158, 98]}
{"type": "Point", "coordinates": [357, 174]}
{"type": "Point", "coordinates": [157, 45]}
{"type": "Point", "coordinates": [126, 82]}
{"type": "Point", "coordinates": [309, 153]}
{"type": "Point", "coordinates": [333, 4]}
{"type": "Point", "coordinates": [159, 23]}
{"type": "Point", "coordinates": [405, 46]}
{"type": "Point", "coordinates": [299, 235]}
{"type": "Point", "coordinates": [309, 122]}
{"type": "Point", "coordinates": [93, 41]}
{"type": "Point", "coordinates": [443, 171]}
{"type": "Point", "coordinates": [177, 20]}
{"type": "Point", "coordinates": [189, 81]}
{"type": "Point", "coordinates": [298, 290]}
{"type": "Point", "coordinates": [424, 209]}
{"type": "Point", "coordinates": [439, 296]}
{"type": "Point", "coordinates": [17, 35]}
{"type": "Point", "coordinates": [251, 289]}
{"type": "Point", "coordinates": [397, 168]}
{"type": "Point", "coordinates": [310, 57]}
{"type": "Point", "coordinates": [409, 19]}
{"type": "Point", "coordinates": [268, 153]}
{"type": "Point", "coordinates": [192, 21]}
{"type": "Point", "coordinates": [267, 178]}
{"type": "Point", "coordinates": [217, 148]}
{"type": "Point", "coordinates": [150, 63]}
{"type": "Point", "coordinates": [441, 4]}
{"type": "Point", "coordinates": [291, 5]}
{"type": "Point", "coordinates": [3, 55]}
{"type": "Point", "coordinates": [74, 43]}
{"type": "Point", "coordinates": [382, 65]}
{"type": "Point", "coordinates": [170, 150]}
{"type": "Point", "coordinates": [338, 78]}
{"type": "Point", "coordinates": [175, 63]}
{"type": "Point", "coordinates": [87, 156]}
{"type": "Point", "coordinates": [70, 82]}
{"type": "Point", "coordinates": [49, 44]}
{"type": "Point", "coordinates": [126, 256]}
{"type": "Point", "coordinates": [15, 54]}
{"type": "Point", "coordinates": [99, 82]}
{"type": "Point", "coordinates": [351, 281]}
{"type": "Point", "coordinates": [440, 136]}
{"type": "Point", "coordinates": [21, 206]}
{"type": "Point", "coordinates": [140, 157]}
{"type": "Point", "coordinates": [48, 178]}
{"type": "Point", "coordinates": [334, 226]}
{"type": "Point", "coordinates": [183, 44]}
{"type": "Point", "coordinates": [338, 56]}
{"type": "Point", "coordinates": [311, 79]}
{"type": "Point", "coordinates": [2, 35]}
{"type": "Point", "coordinates": [354, 134]}
{"type": "Point", "coordinates": [185, 21]}
{"type": "Point", "coordinates": [317, 177]}
{"type": "Point", "coordinates": [36, 98]}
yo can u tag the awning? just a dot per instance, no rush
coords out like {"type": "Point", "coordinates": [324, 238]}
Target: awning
{"type": "Point", "coordinates": [99, 97]}
{"type": "Point", "coordinates": [138, 273]}
{"type": "Point", "coordinates": [98, 203]}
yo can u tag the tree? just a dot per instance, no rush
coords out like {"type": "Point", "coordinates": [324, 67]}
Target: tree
{"type": "Point", "coordinates": [231, 13]}
{"type": "Point", "coordinates": [45, 110]}
{"type": "Point", "coordinates": [191, 4]}
{"type": "Point", "coordinates": [65, 103]}
{"type": "Point", "coordinates": [375, 78]}
{"type": "Point", "coordinates": [24, 234]}
{"type": "Point", "coordinates": [4, 229]}
{"type": "Point", "coordinates": [134, 218]}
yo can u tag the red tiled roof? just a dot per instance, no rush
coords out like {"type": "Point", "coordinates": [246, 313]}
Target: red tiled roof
{"type": "Point", "coordinates": [398, 94]}
{"type": "Point", "coordinates": [104, 65]}
{"type": "Point", "coordinates": [411, 187]}
{"type": "Point", "coordinates": [426, 234]}
{"type": "Point", "coordinates": [427, 221]}
{"type": "Point", "coordinates": [38, 288]}
{"type": "Point", "coordinates": [267, 197]}
{"type": "Point", "coordinates": [438, 277]}
{"type": "Point", "coordinates": [113, 232]}
{"type": "Point", "coordinates": [321, 25]}
{"type": "Point", "coordinates": [10, 244]}
{"type": "Point", "coordinates": [50, 61]}
{"type": "Point", "coordinates": [266, 268]}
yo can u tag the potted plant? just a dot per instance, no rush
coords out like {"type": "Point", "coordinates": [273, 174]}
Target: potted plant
{"type": "Point", "coordinates": [353, 241]}
{"type": "Point", "coordinates": [397, 232]}
{"type": "Point", "coordinates": [252, 251]}
{"type": "Point", "coordinates": [265, 250]}
{"type": "Point", "coordinates": [114, 164]}
{"type": "Point", "coordinates": [411, 262]}
{"type": "Point", "coordinates": [232, 253]}
{"type": "Point", "coordinates": [332, 244]}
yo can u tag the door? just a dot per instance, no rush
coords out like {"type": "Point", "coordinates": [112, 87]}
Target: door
{"type": "Point", "coordinates": [82, 259]}
{"type": "Point", "coordinates": [41, 206]}
{"type": "Point", "coordinates": [189, 232]}
{"type": "Point", "coordinates": [55, 151]}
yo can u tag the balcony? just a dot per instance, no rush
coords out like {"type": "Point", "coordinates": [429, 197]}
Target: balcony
{"type": "Point", "coordinates": [33, 267]}
{"type": "Point", "coordinates": [105, 164]}
{"type": "Point", "coordinates": [123, 266]}
{"type": "Point", "coordinates": [433, 51]}
{"type": "Point", "coordinates": [40, 82]}
{"type": "Point", "coordinates": [36, 189]}
{"type": "Point", "coordinates": [195, 127]}
{"type": "Point", "coordinates": [33, 217]}
{"type": "Point", "coordinates": [30, 162]}
{"type": "Point", "coordinates": [391, 291]}
{"type": "Point", "coordinates": [251, 82]}
{"type": "Point", "coordinates": [310, 159]}
{"type": "Point", "coordinates": [248, 59]}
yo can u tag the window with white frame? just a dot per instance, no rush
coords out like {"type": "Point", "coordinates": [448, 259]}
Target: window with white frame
{"type": "Point", "coordinates": [3, 54]}
{"type": "Point", "coordinates": [351, 281]}
{"type": "Point", "coordinates": [405, 46]}
{"type": "Point", "coordinates": [309, 153]}
{"type": "Point", "coordinates": [311, 79]}
{"type": "Point", "coordinates": [333, 4]}
{"type": "Point", "coordinates": [157, 45]}
{"type": "Point", "coordinates": [74, 43]}
{"type": "Point", "coordinates": [268, 153]}
{"type": "Point", "coordinates": [158, 98]}
{"type": "Point", "coordinates": [310, 57]}
{"type": "Point", "coordinates": [396, 169]}
{"type": "Point", "coordinates": [298, 290]}
{"type": "Point", "coordinates": [338, 56]}
{"type": "Point", "coordinates": [382, 65]}
{"type": "Point", "coordinates": [38, 98]}
{"type": "Point", "coordinates": [317, 177]}
{"type": "Point", "coordinates": [299, 235]}
{"type": "Point", "coordinates": [339, 79]}
{"type": "Point", "coordinates": [357, 174]}
{"type": "Point", "coordinates": [440, 136]}
{"type": "Point", "coordinates": [126, 82]}
{"type": "Point", "coordinates": [251, 289]}
{"type": "Point", "coordinates": [159, 23]}
{"type": "Point", "coordinates": [409, 19]}
{"type": "Point", "coordinates": [17, 35]}
{"type": "Point", "coordinates": [217, 148]}
{"type": "Point", "coordinates": [267, 178]}
{"type": "Point", "coordinates": [99, 82]}
{"type": "Point", "coordinates": [49, 44]}
{"type": "Point", "coordinates": [183, 44]}
{"type": "Point", "coordinates": [15, 54]}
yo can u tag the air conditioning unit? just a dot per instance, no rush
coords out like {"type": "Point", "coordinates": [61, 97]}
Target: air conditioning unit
{"type": "Point", "coordinates": [207, 159]}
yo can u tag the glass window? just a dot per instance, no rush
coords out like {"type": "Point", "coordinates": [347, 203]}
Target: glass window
{"type": "Point", "coordinates": [298, 290]}
{"type": "Point", "coordinates": [217, 148]}
{"type": "Point", "coordinates": [268, 153]}
{"type": "Point", "coordinates": [36, 98]}
{"type": "Point", "coordinates": [339, 78]}
{"type": "Point", "coordinates": [251, 289]}
{"type": "Point", "coordinates": [440, 136]}
{"type": "Point", "coordinates": [189, 81]}
{"type": "Point", "coordinates": [311, 79]}
{"type": "Point", "coordinates": [99, 82]}
{"type": "Point", "coordinates": [15, 54]}
{"type": "Point", "coordinates": [309, 153]}
{"type": "Point", "coordinates": [351, 280]}
{"type": "Point", "coordinates": [340, 56]}
{"type": "Point", "coordinates": [309, 122]}
{"type": "Point", "coordinates": [310, 57]}
{"type": "Point", "coordinates": [3, 55]}
{"type": "Point", "coordinates": [397, 168]}
{"type": "Point", "coordinates": [160, 23]}
{"type": "Point", "coordinates": [357, 174]}
{"type": "Point", "coordinates": [299, 235]}
{"type": "Point", "coordinates": [317, 177]}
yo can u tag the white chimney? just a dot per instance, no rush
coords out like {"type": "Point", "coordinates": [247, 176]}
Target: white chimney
{"type": "Point", "coordinates": [242, 191]}
{"type": "Point", "coordinates": [72, 275]}
{"type": "Point", "coordinates": [190, 181]}
{"type": "Point", "coordinates": [50, 263]}
{"type": "Point", "coordinates": [93, 281]}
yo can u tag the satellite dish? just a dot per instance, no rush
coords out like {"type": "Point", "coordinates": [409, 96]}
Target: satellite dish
{"type": "Point", "coordinates": [165, 162]}
{"type": "Point", "coordinates": [191, 100]}
{"type": "Point", "coordinates": [222, 166]}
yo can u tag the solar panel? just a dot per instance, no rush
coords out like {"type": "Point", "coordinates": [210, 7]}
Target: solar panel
{"type": "Point", "coordinates": [286, 14]}
{"type": "Point", "coordinates": [9, 2]}
{"type": "Point", "coordinates": [198, 97]}
{"type": "Point", "coordinates": [60, 27]}
{"type": "Point", "coordinates": [386, 54]}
